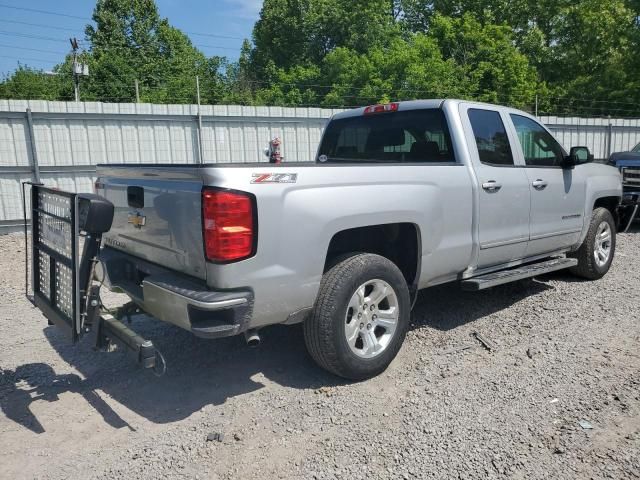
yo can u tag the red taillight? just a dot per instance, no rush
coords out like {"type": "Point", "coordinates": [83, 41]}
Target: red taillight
{"type": "Point", "coordinates": [228, 225]}
{"type": "Point", "coordinates": [388, 107]}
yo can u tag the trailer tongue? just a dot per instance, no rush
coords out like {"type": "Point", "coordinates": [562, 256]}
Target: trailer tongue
{"type": "Point", "coordinates": [63, 281]}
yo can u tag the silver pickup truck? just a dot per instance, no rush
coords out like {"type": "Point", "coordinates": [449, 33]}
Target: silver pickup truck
{"type": "Point", "coordinates": [402, 197]}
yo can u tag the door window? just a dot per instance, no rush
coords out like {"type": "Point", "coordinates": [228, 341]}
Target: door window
{"type": "Point", "coordinates": [491, 137]}
{"type": "Point", "coordinates": [540, 149]}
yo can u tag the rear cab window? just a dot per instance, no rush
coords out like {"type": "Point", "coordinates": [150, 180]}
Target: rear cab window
{"type": "Point", "coordinates": [411, 136]}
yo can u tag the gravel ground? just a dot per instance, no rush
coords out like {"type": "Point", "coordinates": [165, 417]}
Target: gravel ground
{"type": "Point", "coordinates": [565, 351]}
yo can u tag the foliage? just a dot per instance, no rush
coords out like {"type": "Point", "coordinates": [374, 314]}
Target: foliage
{"type": "Point", "coordinates": [584, 51]}
{"type": "Point", "coordinates": [459, 58]}
{"type": "Point", "coordinates": [573, 56]}
{"type": "Point", "coordinates": [131, 42]}
{"type": "Point", "coordinates": [26, 83]}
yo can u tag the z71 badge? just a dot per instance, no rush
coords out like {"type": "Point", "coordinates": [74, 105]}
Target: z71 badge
{"type": "Point", "coordinates": [274, 178]}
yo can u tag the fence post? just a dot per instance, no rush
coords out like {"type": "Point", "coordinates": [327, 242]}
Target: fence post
{"type": "Point", "coordinates": [200, 144]}
{"type": "Point", "coordinates": [32, 147]}
{"type": "Point", "coordinates": [609, 137]}
{"type": "Point", "coordinates": [198, 90]}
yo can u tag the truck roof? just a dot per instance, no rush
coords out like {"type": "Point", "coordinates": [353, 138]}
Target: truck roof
{"type": "Point", "coordinates": [416, 105]}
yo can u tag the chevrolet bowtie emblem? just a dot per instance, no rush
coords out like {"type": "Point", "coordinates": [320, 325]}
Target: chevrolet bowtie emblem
{"type": "Point", "coordinates": [137, 219]}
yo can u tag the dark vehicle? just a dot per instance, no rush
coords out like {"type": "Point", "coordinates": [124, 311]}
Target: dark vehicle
{"type": "Point", "coordinates": [629, 165]}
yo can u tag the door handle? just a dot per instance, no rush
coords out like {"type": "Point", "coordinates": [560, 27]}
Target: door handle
{"type": "Point", "coordinates": [491, 186]}
{"type": "Point", "coordinates": [539, 184]}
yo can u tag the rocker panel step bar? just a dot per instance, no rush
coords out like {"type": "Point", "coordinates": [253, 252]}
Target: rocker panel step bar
{"type": "Point", "coordinates": [527, 271]}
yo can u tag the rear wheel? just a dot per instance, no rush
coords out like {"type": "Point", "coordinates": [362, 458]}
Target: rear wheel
{"type": "Point", "coordinates": [360, 318]}
{"type": "Point", "coordinates": [596, 252]}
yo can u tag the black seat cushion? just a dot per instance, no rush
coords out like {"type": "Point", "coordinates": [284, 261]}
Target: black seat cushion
{"type": "Point", "coordinates": [425, 151]}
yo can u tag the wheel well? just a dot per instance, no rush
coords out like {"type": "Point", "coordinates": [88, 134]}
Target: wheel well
{"type": "Point", "coordinates": [399, 242]}
{"type": "Point", "coordinates": [611, 204]}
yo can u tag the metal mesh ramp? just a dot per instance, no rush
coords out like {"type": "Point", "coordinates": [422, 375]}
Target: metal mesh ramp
{"type": "Point", "coordinates": [54, 244]}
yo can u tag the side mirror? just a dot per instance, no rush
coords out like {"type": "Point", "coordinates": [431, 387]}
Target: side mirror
{"type": "Point", "coordinates": [578, 156]}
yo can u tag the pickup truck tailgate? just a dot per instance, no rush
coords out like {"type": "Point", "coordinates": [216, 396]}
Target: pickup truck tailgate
{"type": "Point", "coordinates": [157, 215]}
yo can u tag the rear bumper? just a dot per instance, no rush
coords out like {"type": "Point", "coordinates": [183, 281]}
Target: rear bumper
{"type": "Point", "coordinates": [175, 298]}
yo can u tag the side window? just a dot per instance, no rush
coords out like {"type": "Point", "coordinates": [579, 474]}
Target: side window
{"type": "Point", "coordinates": [540, 149]}
{"type": "Point", "coordinates": [491, 137]}
{"type": "Point", "coordinates": [636, 149]}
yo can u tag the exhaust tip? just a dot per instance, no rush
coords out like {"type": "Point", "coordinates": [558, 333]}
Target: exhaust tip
{"type": "Point", "coordinates": [253, 338]}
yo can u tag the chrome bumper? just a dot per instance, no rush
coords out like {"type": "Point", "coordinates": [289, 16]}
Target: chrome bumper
{"type": "Point", "coordinates": [175, 298]}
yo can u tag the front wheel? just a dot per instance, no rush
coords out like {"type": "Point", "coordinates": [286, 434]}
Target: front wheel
{"type": "Point", "coordinates": [360, 318]}
{"type": "Point", "coordinates": [596, 252]}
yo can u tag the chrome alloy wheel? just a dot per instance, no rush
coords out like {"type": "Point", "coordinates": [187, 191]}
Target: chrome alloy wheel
{"type": "Point", "coordinates": [371, 319]}
{"type": "Point", "coordinates": [602, 244]}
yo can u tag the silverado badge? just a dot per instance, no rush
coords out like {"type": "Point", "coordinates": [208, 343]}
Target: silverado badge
{"type": "Point", "coordinates": [137, 219]}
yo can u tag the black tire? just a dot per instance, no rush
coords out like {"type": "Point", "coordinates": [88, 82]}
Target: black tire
{"type": "Point", "coordinates": [587, 266]}
{"type": "Point", "coordinates": [324, 329]}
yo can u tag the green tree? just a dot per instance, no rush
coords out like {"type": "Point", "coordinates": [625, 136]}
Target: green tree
{"type": "Point", "coordinates": [28, 83]}
{"type": "Point", "coordinates": [280, 35]}
{"type": "Point", "coordinates": [459, 57]}
{"type": "Point", "coordinates": [238, 80]}
{"type": "Point", "coordinates": [579, 56]}
{"type": "Point", "coordinates": [493, 68]}
{"type": "Point", "coordinates": [580, 49]}
{"type": "Point", "coordinates": [299, 32]}
{"type": "Point", "coordinates": [596, 50]}
{"type": "Point", "coordinates": [131, 42]}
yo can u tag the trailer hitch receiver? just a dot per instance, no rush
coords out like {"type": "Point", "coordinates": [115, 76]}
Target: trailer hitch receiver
{"type": "Point", "coordinates": [110, 329]}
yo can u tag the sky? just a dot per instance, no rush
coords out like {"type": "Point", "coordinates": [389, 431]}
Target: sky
{"type": "Point", "coordinates": [41, 40]}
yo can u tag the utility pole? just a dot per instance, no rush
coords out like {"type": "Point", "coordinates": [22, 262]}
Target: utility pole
{"type": "Point", "coordinates": [79, 69]}
{"type": "Point", "coordinates": [137, 92]}
{"type": "Point", "coordinates": [76, 76]}
{"type": "Point", "coordinates": [536, 104]}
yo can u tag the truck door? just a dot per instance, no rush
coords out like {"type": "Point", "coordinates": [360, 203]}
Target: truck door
{"type": "Point", "coordinates": [557, 194]}
{"type": "Point", "coordinates": [503, 191]}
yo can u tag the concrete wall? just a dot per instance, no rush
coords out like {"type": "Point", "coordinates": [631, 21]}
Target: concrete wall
{"type": "Point", "coordinates": [59, 143]}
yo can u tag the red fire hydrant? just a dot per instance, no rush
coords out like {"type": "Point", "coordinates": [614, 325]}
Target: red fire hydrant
{"type": "Point", "coordinates": [274, 151]}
